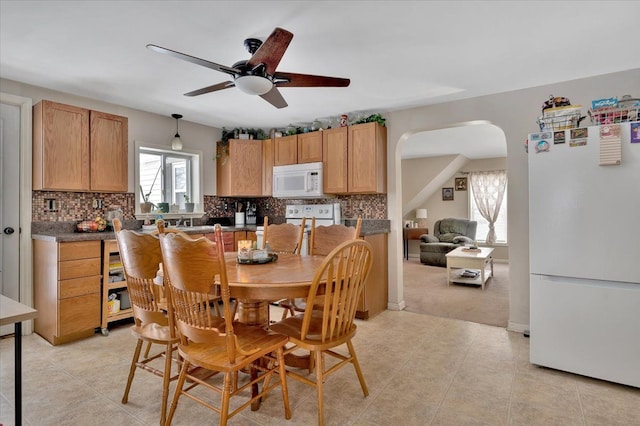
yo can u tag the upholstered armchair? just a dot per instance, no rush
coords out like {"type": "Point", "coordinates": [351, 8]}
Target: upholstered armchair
{"type": "Point", "coordinates": [448, 234]}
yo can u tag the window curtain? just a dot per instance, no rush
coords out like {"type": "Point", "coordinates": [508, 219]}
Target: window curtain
{"type": "Point", "coordinates": [488, 192]}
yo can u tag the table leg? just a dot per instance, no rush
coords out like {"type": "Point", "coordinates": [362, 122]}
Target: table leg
{"type": "Point", "coordinates": [483, 266]}
{"type": "Point", "coordinates": [18, 371]}
{"type": "Point", "coordinates": [405, 246]}
{"type": "Point", "coordinates": [253, 312]}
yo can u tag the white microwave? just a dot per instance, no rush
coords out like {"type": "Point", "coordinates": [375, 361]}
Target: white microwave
{"type": "Point", "coordinates": [298, 181]}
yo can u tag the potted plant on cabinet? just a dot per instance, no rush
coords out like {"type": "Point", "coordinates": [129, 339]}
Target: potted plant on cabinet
{"type": "Point", "coordinates": [188, 207]}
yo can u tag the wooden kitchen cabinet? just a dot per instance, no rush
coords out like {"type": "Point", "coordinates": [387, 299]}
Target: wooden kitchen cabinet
{"type": "Point", "coordinates": [66, 284]}
{"type": "Point", "coordinates": [334, 160]}
{"type": "Point", "coordinates": [297, 149]}
{"type": "Point", "coordinates": [355, 159]}
{"type": "Point", "coordinates": [239, 173]}
{"type": "Point", "coordinates": [109, 152]}
{"type": "Point", "coordinates": [367, 158]}
{"type": "Point", "coordinates": [285, 150]}
{"type": "Point", "coordinates": [267, 167]}
{"type": "Point", "coordinates": [75, 149]}
{"type": "Point", "coordinates": [310, 147]}
{"type": "Point", "coordinates": [375, 295]}
{"type": "Point", "coordinates": [60, 147]}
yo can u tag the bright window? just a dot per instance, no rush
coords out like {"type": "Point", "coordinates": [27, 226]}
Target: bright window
{"type": "Point", "coordinates": [483, 225]}
{"type": "Point", "coordinates": [166, 176]}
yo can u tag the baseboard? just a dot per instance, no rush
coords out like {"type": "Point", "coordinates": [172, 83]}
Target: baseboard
{"type": "Point", "coordinates": [396, 306]}
{"type": "Point", "coordinates": [517, 327]}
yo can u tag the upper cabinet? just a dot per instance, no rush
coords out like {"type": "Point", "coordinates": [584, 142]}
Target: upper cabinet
{"type": "Point", "coordinates": [334, 167]}
{"type": "Point", "coordinates": [267, 167]}
{"type": "Point", "coordinates": [239, 171]}
{"type": "Point", "coordinates": [285, 150]}
{"type": "Point", "coordinates": [109, 152]}
{"type": "Point", "coordinates": [75, 149]}
{"type": "Point", "coordinates": [297, 149]}
{"type": "Point", "coordinates": [355, 160]}
{"type": "Point", "coordinates": [367, 158]}
{"type": "Point", "coordinates": [310, 147]}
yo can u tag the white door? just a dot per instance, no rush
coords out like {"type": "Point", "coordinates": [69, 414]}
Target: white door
{"type": "Point", "coordinates": [9, 204]}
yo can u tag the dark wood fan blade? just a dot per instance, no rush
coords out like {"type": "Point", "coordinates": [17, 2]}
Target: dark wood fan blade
{"type": "Point", "coordinates": [194, 60]}
{"type": "Point", "coordinates": [272, 50]}
{"type": "Point", "coordinates": [214, 88]}
{"type": "Point", "coordinates": [289, 79]}
{"type": "Point", "coordinates": [274, 97]}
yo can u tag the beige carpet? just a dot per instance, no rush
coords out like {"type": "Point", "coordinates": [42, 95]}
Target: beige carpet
{"type": "Point", "coordinates": [426, 292]}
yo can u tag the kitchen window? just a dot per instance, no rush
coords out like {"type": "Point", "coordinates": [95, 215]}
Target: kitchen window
{"type": "Point", "coordinates": [165, 176]}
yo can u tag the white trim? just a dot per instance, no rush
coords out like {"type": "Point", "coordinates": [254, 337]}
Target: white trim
{"type": "Point", "coordinates": [26, 277]}
{"type": "Point", "coordinates": [401, 306]}
{"type": "Point", "coordinates": [517, 327]}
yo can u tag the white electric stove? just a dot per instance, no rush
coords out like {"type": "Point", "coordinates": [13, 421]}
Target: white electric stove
{"type": "Point", "coordinates": [325, 214]}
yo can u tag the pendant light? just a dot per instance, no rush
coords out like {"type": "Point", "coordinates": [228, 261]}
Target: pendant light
{"type": "Point", "coordinates": [176, 143]}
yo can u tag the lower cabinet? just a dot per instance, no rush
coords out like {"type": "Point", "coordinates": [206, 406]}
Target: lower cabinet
{"type": "Point", "coordinates": [231, 238]}
{"type": "Point", "coordinates": [375, 295]}
{"type": "Point", "coordinates": [66, 285]}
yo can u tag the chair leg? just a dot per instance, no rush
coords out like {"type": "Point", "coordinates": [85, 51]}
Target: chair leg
{"type": "Point", "coordinates": [312, 362]}
{"type": "Point", "coordinates": [132, 370]}
{"type": "Point", "coordinates": [181, 379]}
{"type": "Point", "coordinates": [319, 383]}
{"type": "Point", "coordinates": [283, 383]}
{"type": "Point", "coordinates": [147, 349]}
{"type": "Point", "coordinates": [226, 395]}
{"type": "Point", "coordinates": [165, 382]}
{"type": "Point", "coordinates": [356, 364]}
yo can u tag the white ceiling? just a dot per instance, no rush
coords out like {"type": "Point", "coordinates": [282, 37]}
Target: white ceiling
{"type": "Point", "coordinates": [397, 54]}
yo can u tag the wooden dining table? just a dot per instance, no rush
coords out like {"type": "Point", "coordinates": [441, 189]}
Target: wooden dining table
{"type": "Point", "coordinates": [256, 285]}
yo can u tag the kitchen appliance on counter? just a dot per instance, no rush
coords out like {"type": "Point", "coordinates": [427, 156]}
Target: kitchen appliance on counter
{"type": "Point", "coordinates": [325, 214]}
{"type": "Point", "coordinates": [298, 181]}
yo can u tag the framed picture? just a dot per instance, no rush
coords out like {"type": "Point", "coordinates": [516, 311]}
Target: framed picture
{"type": "Point", "coordinates": [461, 184]}
{"type": "Point", "coordinates": [447, 194]}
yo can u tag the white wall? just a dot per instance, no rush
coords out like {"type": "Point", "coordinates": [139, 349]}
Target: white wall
{"type": "Point", "coordinates": [515, 113]}
{"type": "Point", "coordinates": [143, 126]}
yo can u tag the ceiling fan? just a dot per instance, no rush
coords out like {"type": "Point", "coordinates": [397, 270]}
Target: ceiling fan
{"type": "Point", "coordinates": [258, 75]}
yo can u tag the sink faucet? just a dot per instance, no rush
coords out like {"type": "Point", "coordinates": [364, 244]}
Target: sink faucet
{"type": "Point", "coordinates": [184, 222]}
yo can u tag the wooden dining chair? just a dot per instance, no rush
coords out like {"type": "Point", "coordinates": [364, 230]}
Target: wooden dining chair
{"type": "Point", "coordinates": [337, 283]}
{"type": "Point", "coordinates": [284, 237]}
{"type": "Point", "coordinates": [195, 268]}
{"type": "Point", "coordinates": [141, 257]}
{"type": "Point", "coordinates": [322, 241]}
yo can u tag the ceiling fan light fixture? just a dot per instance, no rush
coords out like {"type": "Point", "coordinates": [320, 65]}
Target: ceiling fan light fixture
{"type": "Point", "coordinates": [253, 84]}
{"type": "Point", "coordinates": [176, 143]}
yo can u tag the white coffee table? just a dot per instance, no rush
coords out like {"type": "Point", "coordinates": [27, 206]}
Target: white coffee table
{"type": "Point", "coordinates": [459, 260]}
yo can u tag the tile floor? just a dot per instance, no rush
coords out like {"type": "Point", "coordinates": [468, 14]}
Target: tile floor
{"type": "Point", "coordinates": [420, 370]}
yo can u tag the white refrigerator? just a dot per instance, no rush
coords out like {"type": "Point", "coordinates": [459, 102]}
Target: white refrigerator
{"type": "Point", "coordinates": [584, 253]}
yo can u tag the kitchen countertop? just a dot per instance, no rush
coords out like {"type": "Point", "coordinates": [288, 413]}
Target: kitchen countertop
{"type": "Point", "coordinates": [57, 233]}
{"type": "Point", "coordinates": [67, 236]}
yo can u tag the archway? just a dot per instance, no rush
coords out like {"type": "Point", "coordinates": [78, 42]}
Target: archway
{"type": "Point", "coordinates": [459, 133]}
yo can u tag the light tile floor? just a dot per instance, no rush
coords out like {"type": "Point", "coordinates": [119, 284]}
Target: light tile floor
{"type": "Point", "coordinates": [420, 370]}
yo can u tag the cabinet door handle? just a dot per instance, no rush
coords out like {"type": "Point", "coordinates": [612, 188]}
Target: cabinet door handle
{"type": "Point", "coordinates": [8, 230]}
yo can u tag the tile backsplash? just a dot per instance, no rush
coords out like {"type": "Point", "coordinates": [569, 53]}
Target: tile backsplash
{"type": "Point", "coordinates": [50, 206]}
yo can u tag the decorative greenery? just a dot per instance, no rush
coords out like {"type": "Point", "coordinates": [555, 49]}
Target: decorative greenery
{"type": "Point", "coordinates": [377, 118]}
{"type": "Point", "coordinates": [186, 198]}
{"type": "Point", "coordinates": [222, 146]}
